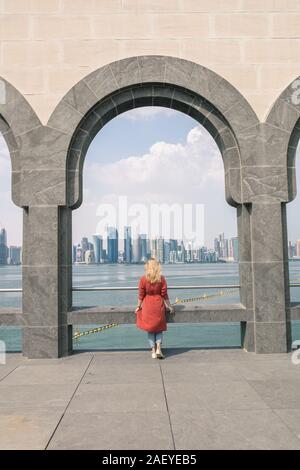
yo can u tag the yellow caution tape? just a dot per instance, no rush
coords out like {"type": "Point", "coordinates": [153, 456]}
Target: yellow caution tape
{"type": "Point", "coordinates": [79, 334]}
{"type": "Point", "coordinates": [204, 296]}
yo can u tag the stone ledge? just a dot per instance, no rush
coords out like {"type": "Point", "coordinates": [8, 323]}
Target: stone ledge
{"type": "Point", "coordinates": [190, 314]}
{"type": "Point", "coordinates": [11, 317]}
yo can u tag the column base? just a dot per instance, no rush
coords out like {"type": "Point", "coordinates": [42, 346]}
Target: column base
{"type": "Point", "coordinates": [272, 337]}
{"type": "Point", "coordinates": [41, 342]}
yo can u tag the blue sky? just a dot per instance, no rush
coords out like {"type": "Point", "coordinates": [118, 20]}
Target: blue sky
{"type": "Point", "coordinates": [148, 155]}
{"type": "Point", "coordinates": [155, 155]}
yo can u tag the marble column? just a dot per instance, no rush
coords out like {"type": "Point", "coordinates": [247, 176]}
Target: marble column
{"type": "Point", "coordinates": [47, 281]}
{"type": "Point", "coordinates": [245, 272]}
{"type": "Point", "coordinates": [270, 277]}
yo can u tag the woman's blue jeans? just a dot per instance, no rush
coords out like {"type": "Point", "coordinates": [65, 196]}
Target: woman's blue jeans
{"type": "Point", "coordinates": [154, 338]}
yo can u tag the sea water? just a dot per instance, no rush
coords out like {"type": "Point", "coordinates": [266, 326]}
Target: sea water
{"type": "Point", "coordinates": [191, 335]}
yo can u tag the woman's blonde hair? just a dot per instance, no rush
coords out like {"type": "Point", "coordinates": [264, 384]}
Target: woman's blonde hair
{"type": "Point", "coordinates": [153, 270]}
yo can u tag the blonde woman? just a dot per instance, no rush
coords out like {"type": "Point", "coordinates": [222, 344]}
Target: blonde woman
{"type": "Point", "coordinates": [152, 302]}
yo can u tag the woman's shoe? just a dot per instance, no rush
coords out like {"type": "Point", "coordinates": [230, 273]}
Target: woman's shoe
{"type": "Point", "coordinates": [159, 354]}
{"type": "Point", "coordinates": [154, 355]}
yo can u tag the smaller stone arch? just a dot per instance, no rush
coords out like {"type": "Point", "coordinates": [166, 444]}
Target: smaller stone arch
{"type": "Point", "coordinates": [17, 118]}
{"type": "Point", "coordinates": [284, 118]}
{"type": "Point", "coordinates": [279, 136]}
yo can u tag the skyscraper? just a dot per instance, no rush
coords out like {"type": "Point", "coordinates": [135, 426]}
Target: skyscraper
{"type": "Point", "coordinates": [98, 248]}
{"type": "Point", "coordinates": [153, 248]}
{"type": "Point", "coordinates": [74, 250]}
{"type": "Point", "coordinates": [173, 245]}
{"type": "Point", "coordinates": [84, 247]}
{"type": "Point", "coordinates": [181, 256]}
{"type": "Point", "coordinates": [79, 254]}
{"type": "Point", "coordinates": [292, 249]}
{"type": "Point", "coordinates": [167, 251]}
{"type": "Point", "coordinates": [136, 249]}
{"type": "Point", "coordinates": [160, 249]}
{"type": "Point", "coordinates": [112, 244]}
{"type": "Point", "coordinates": [235, 248]}
{"type": "Point", "coordinates": [173, 251]}
{"type": "Point", "coordinates": [127, 245]}
{"type": "Point", "coordinates": [144, 247]}
{"type": "Point", "coordinates": [14, 255]}
{"type": "Point", "coordinates": [189, 254]}
{"type": "Point", "coordinates": [3, 247]}
{"type": "Point", "coordinates": [298, 247]}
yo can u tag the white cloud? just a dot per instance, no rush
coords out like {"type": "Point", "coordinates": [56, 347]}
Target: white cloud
{"type": "Point", "coordinates": [147, 113]}
{"type": "Point", "coordinates": [167, 172]}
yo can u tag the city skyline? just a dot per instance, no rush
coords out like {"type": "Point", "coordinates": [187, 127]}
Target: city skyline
{"type": "Point", "coordinates": [11, 254]}
{"type": "Point", "coordinates": [105, 248]}
{"type": "Point", "coordinates": [140, 248]}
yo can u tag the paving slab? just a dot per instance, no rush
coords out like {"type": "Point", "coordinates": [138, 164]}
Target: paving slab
{"type": "Point", "coordinates": [47, 374]}
{"type": "Point", "coordinates": [13, 359]}
{"type": "Point", "coordinates": [118, 374]}
{"type": "Point", "coordinates": [221, 355]}
{"type": "Point", "coordinates": [35, 396]}
{"type": "Point", "coordinates": [27, 430]}
{"type": "Point", "coordinates": [231, 429]}
{"type": "Point", "coordinates": [123, 357]}
{"type": "Point", "coordinates": [291, 417]}
{"type": "Point", "coordinates": [114, 430]}
{"type": "Point", "coordinates": [278, 393]}
{"type": "Point", "coordinates": [213, 394]}
{"type": "Point", "coordinates": [11, 362]}
{"type": "Point", "coordinates": [198, 372]}
{"type": "Point", "coordinates": [96, 398]}
{"type": "Point", "coordinates": [5, 370]}
{"type": "Point", "coordinates": [74, 359]}
{"type": "Point", "coordinates": [263, 370]}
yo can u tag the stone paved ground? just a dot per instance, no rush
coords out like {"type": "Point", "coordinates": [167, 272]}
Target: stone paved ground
{"type": "Point", "coordinates": [194, 399]}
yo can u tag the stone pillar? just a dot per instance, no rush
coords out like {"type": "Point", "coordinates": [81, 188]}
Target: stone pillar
{"type": "Point", "coordinates": [245, 271]}
{"type": "Point", "coordinates": [270, 277]}
{"type": "Point", "coordinates": [47, 281]}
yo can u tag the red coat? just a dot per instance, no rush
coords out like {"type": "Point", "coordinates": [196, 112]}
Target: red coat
{"type": "Point", "coordinates": [151, 317]}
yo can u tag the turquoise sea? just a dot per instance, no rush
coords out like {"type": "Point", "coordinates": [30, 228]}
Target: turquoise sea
{"type": "Point", "coordinates": [204, 335]}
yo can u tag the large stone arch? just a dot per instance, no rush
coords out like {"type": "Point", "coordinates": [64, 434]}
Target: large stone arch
{"type": "Point", "coordinates": [159, 95]}
{"type": "Point", "coordinates": [163, 81]}
{"type": "Point", "coordinates": [142, 81]}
